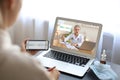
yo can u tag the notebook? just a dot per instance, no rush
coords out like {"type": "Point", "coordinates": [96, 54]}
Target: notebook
{"type": "Point", "coordinates": [66, 57]}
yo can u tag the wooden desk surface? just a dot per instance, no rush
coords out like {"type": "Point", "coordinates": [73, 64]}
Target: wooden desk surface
{"type": "Point", "coordinates": [57, 43]}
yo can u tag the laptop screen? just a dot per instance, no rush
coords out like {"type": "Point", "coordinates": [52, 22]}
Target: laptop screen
{"type": "Point", "coordinates": [76, 36]}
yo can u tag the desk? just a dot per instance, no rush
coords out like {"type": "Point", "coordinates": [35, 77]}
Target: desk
{"type": "Point", "coordinates": [64, 45]}
{"type": "Point", "coordinates": [89, 75]}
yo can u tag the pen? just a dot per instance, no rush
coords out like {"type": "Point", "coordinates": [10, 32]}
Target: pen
{"type": "Point", "coordinates": [52, 68]}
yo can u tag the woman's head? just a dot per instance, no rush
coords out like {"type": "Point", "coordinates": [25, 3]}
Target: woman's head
{"type": "Point", "coordinates": [9, 10]}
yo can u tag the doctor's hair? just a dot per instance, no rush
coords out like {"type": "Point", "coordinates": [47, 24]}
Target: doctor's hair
{"type": "Point", "coordinates": [77, 26]}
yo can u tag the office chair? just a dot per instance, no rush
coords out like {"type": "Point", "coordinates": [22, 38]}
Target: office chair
{"type": "Point", "coordinates": [107, 44]}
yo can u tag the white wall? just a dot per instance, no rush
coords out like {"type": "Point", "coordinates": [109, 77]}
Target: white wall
{"type": "Point", "coordinates": [29, 28]}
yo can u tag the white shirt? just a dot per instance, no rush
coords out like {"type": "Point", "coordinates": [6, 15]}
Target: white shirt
{"type": "Point", "coordinates": [14, 65]}
{"type": "Point", "coordinates": [76, 40]}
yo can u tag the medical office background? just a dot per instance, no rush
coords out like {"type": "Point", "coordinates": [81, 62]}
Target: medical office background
{"type": "Point", "coordinates": [37, 17]}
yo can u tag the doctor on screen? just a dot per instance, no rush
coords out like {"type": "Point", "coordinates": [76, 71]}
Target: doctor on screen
{"type": "Point", "coordinates": [75, 39]}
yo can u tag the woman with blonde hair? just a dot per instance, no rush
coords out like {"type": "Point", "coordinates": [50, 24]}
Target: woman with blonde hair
{"type": "Point", "coordinates": [13, 64]}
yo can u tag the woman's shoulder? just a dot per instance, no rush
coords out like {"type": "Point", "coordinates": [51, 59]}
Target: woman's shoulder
{"type": "Point", "coordinates": [14, 60]}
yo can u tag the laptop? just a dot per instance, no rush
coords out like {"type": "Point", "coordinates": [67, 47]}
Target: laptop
{"type": "Point", "coordinates": [87, 45]}
{"type": "Point", "coordinates": [71, 60]}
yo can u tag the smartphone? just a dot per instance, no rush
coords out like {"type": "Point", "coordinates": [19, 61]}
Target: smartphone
{"type": "Point", "coordinates": [37, 45]}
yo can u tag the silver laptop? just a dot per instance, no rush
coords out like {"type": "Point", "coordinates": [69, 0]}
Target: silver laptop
{"type": "Point", "coordinates": [63, 55]}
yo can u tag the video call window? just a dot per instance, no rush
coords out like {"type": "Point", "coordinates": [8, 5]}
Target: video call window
{"type": "Point", "coordinates": [83, 37]}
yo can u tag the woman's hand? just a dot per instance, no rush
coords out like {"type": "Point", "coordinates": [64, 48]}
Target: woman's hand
{"type": "Point", "coordinates": [54, 73]}
{"type": "Point", "coordinates": [23, 48]}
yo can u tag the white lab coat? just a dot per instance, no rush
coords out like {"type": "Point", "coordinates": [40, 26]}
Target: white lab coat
{"type": "Point", "coordinates": [76, 40]}
{"type": "Point", "coordinates": [14, 65]}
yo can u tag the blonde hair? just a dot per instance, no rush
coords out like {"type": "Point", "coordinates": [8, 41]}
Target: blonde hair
{"type": "Point", "coordinates": [1, 18]}
{"type": "Point", "coordinates": [1, 21]}
{"type": "Point", "coordinates": [8, 17]}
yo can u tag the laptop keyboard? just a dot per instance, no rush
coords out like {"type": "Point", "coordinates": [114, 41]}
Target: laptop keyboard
{"type": "Point", "coordinates": [77, 60]}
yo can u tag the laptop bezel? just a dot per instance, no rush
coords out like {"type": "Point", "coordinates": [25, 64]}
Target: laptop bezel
{"type": "Point", "coordinates": [91, 56]}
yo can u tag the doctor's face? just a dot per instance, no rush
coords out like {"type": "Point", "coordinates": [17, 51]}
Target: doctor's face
{"type": "Point", "coordinates": [76, 30]}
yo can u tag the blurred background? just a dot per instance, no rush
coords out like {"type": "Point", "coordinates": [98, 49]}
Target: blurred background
{"type": "Point", "coordinates": [37, 17]}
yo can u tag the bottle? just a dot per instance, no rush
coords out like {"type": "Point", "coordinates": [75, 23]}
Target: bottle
{"type": "Point", "coordinates": [103, 57]}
